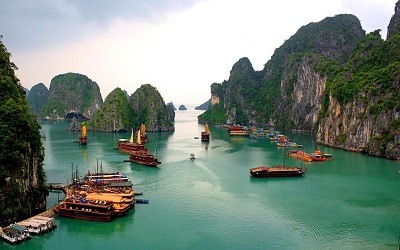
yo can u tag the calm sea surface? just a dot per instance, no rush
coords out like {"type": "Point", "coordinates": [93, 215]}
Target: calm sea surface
{"type": "Point", "coordinates": [352, 202]}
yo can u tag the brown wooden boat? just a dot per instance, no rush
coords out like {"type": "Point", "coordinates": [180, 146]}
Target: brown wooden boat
{"type": "Point", "coordinates": [144, 158]}
{"type": "Point", "coordinates": [120, 205]}
{"type": "Point", "coordinates": [96, 210]}
{"type": "Point", "coordinates": [277, 171]}
{"type": "Point", "coordinates": [128, 146]}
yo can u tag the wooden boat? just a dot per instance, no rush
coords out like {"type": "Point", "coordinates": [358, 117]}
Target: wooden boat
{"type": "Point", "coordinates": [10, 235]}
{"type": "Point", "coordinates": [82, 139]}
{"type": "Point", "coordinates": [293, 144]}
{"type": "Point", "coordinates": [104, 178]}
{"type": "Point", "coordinates": [328, 157]}
{"type": "Point", "coordinates": [205, 136]}
{"type": "Point", "coordinates": [120, 205]}
{"type": "Point", "coordinates": [317, 156]}
{"type": "Point", "coordinates": [239, 132]}
{"type": "Point", "coordinates": [301, 155]}
{"type": "Point", "coordinates": [38, 224]}
{"type": "Point", "coordinates": [144, 158]}
{"type": "Point", "coordinates": [276, 171]}
{"type": "Point", "coordinates": [85, 209]}
{"type": "Point", "coordinates": [128, 146]}
{"type": "Point", "coordinates": [119, 189]}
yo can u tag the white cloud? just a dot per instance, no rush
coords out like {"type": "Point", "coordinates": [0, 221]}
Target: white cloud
{"type": "Point", "coordinates": [183, 53]}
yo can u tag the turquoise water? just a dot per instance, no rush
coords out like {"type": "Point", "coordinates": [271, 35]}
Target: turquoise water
{"type": "Point", "coordinates": [352, 202]}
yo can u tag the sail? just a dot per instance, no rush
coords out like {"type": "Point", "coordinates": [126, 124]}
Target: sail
{"type": "Point", "coordinates": [139, 141]}
{"type": "Point", "coordinates": [206, 131]}
{"type": "Point", "coordinates": [142, 129]}
{"type": "Point", "coordinates": [83, 132]}
{"type": "Point", "coordinates": [131, 139]}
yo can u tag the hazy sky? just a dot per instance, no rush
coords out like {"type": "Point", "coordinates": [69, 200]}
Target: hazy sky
{"type": "Point", "coordinates": [179, 47]}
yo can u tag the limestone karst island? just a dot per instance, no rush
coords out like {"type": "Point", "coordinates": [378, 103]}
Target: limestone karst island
{"type": "Point", "coordinates": [303, 153]}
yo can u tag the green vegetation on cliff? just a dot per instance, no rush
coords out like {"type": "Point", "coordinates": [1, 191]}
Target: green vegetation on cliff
{"type": "Point", "coordinates": [115, 114]}
{"type": "Point", "coordinates": [149, 108]}
{"type": "Point", "coordinates": [73, 92]}
{"type": "Point", "coordinates": [21, 149]}
{"type": "Point", "coordinates": [261, 97]}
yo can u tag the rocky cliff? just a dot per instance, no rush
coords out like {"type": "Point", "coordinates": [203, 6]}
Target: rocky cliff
{"type": "Point", "coordinates": [362, 111]}
{"type": "Point", "coordinates": [287, 92]}
{"type": "Point", "coordinates": [22, 178]}
{"type": "Point", "coordinates": [394, 24]}
{"type": "Point", "coordinates": [149, 108]}
{"type": "Point", "coordinates": [37, 98]}
{"type": "Point", "coordinates": [72, 92]}
{"type": "Point", "coordinates": [114, 115]}
{"type": "Point", "coordinates": [329, 78]}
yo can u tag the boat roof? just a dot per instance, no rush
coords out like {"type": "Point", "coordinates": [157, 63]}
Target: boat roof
{"type": "Point", "coordinates": [275, 168]}
{"type": "Point", "coordinates": [19, 228]}
{"type": "Point", "coordinates": [30, 223]}
{"type": "Point", "coordinates": [39, 217]}
{"type": "Point", "coordinates": [121, 184]}
{"type": "Point", "coordinates": [105, 197]}
{"type": "Point", "coordinates": [11, 231]}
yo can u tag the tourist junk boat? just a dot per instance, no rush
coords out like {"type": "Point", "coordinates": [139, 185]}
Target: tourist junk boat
{"type": "Point", "coordinates": [120, 206]}
{"type": "Point", "coordinates": [128, 146]}
{"type": "Point", "coordinates": [144, 158]}
{"type": "Point", "coordinates": [82, 139]}
{"type": "Point", "coordinates": [236, 130]}
{"type": "Point", "coordinates": [205, 136]}
{"type": "Point", "coordinates": [277, 171]}
{"type": "Point", "coordinates": [104, 178]}
{"type": "Point", "coordinates": [96, 210]}
{"type": "Point", "coordinates": [301, 155]}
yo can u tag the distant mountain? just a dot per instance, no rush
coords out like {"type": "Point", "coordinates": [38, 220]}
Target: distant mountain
{"type": "Point", "coordinates": [171, 111]}
{"type": "Point", "coordinates": [149, 108]}
{"type": "Point", "coordinates": [172, 105]}
{"type": "Point", "coordinates": [37, 98]}
{"type": "Point", "coordinates": [72, 92]}
{"type": "Point", "coordinates": [182, 107]}
{"type": "Point", "coordinates": [203, 106]}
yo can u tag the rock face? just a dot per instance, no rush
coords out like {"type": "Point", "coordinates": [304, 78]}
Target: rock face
{"type": "Point", "coordinates": [22, 178]}
{"type": "Point", "coordinates": [73, 92]}
{"type": "Point", "coordinates": [149, 108]}
{"type": "Point", "coordinates": [394, 25]}
{"type": "Point", "coordinates": [172, 105]}
{"type": "Point", "coordinates": [37, 98]}
{"type": "Point", "coordinates": [171, 111]}
{"type": "Point", "coordinates": [330, 79]}
{"type": "Point", "coordinates": [114, 115]}
{"type": "Point", "coordinates": [182, 107]}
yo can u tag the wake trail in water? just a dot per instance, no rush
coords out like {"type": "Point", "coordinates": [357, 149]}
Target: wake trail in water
{"type": "Point", "coordinates": [205, 168]}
